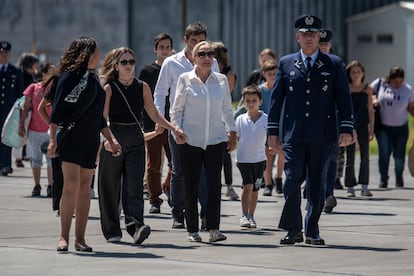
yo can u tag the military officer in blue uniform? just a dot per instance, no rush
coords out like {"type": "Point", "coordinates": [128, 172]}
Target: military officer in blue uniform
{"type": "Point", "coordinates": [310, 87]}
{"type": "Point", "coordinates": [11, 88]}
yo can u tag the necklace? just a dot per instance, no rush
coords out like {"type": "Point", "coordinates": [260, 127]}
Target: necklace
{"type": "Point", "coordinates": [125, 82]}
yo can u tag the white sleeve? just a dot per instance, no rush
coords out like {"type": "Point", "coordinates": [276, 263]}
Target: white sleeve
{"type": "Point", "coordinates": [227, 107]}
{"type": "Point", "coordinates": [177, 110]}
{"type": "Point", "coordinates": [162, 88]}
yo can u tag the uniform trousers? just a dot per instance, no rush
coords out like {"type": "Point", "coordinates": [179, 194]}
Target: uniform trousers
{"type": "Point", "coordinates": [194, 158]}
{"type": "Point", "coordinates": [305, 162]}
{"type": "Point", "coordinates": [122, 175]}
{"type": "Point", "coordinates": [331, 176]}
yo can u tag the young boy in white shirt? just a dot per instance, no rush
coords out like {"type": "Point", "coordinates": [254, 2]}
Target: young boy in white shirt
{"type": "Point", "coordinates": [251, 130]}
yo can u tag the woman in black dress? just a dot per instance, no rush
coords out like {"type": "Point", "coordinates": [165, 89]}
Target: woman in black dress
{"type": "Point", "coordinates": [79, 98]}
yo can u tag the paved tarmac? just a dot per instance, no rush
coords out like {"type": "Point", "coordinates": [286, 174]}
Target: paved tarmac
{"type": "Point", "coordinates": [364, 236]}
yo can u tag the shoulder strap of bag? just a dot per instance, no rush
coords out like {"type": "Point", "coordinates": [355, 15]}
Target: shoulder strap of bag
{"type": "Point", "coordinates": [378, 86]}
{"type": "Point", "coordinates": [126, 102]}
{"type": "Point", "coordinates": [80, 114]}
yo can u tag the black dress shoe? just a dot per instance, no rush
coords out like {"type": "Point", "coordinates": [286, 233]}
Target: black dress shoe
{"type": "Point", "coordinates": [292, 238]}
{"type": "Point", "coordinates": [383, 184]}
{"type": "Point", "coordinates": [315, 241]}
{"type": "Point", "coordinates": [399, 183]}
{"type": "Point", "coordinates": [330, 203]}
{"type": "Point", "coordinates": [6, 170]}
{"type": "Point", "coordinates": [83, 247]}
{"type": "Point", "coordinates": [338, 185]}
{"type": "Point", "coordinates": [62, 248]}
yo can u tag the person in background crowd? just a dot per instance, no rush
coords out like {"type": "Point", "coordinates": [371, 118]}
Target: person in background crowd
{"type": "Point", "coordinates": [171, 69]}
{"type": "Point", "coordinates": [222, 57]}
{"type": "Point", "coordinates": [269, 72]}
{"type": "Point", "coordinates": [29, 63]}
{"type": "Point", "coordinates": [311, 87]}
{"type": "Point", "coordinates": [57, 174]}
{"type": "Point", "coordinates": [126, 97]}
{"type": "Point", "coordinates": [338, 163]}
{"type": "Point", "coordinates": [155, 147]}
{"type": "Point", "coordinates": [202, 108]}
{"type": "Point", "coordinates": [78, 91]}
{"type": "Point", "coordinates": [325, 46]}
{"type": "Point", "coordinates": [251, 152]}
{"type": "Point", "coordinates": [11, 88]}
{"type": "Point", "coordinates": [396, 100]}
{"type": "Point", "coordinates": [37, 130]}
{"type": "Point", "coordinates": [256, 76]}
{"type": "Point", "coordinates": [363, 108]}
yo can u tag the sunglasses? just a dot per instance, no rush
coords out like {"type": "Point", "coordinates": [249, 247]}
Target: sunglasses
{"type": "Point", "coordinates": [125, 62]}
{"type": "Point", "coordinates": [209, 54]}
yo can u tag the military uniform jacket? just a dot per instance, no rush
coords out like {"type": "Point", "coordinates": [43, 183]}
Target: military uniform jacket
{"type": "Point", "coordinates": [306, 104]}
{"type": "Point", "coordinates": [11, 88]}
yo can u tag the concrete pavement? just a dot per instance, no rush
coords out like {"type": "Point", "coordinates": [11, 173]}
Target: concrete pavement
{"type": "Point", "coordinates": [364, 236]}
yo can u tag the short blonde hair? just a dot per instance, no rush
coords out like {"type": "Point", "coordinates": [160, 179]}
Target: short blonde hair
{"type": "Point", "coordinates": [198, 46]}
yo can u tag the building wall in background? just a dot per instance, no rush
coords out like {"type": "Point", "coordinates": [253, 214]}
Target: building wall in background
{"type": "Point", "coordinates": [245, 26]}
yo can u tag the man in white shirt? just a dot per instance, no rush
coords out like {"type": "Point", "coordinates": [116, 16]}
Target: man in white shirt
{"type": "Point", "coordinates": [171, 69]}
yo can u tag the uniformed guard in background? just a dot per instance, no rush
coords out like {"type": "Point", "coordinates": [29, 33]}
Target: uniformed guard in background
{"type": "Point", "coordinates": [311, 86]}
{"type": "Point", "coordinates": [11, 88]}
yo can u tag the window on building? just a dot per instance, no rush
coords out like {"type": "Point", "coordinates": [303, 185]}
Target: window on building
{"type": "Point", "coordinates": [385, 38]}
{"type": "Point", "coordinates": [364, 39]}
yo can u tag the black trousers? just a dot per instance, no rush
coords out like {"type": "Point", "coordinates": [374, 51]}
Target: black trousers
{"type": "Point", "coordinates": [123, 175]}
{"type": "Point", "coordinates": [193, 159]}
{"type": "Point", "coordinates": [363, 141]}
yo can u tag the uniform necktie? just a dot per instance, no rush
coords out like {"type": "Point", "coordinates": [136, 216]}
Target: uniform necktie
{"type": "Point", "coordinates": [308, 63]}
{"type": "Point", "coordinates": [3, 70]}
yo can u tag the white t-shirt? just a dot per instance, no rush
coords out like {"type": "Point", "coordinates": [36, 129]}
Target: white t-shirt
{"type": "Point", "coordinates": [252, 139]}
{"type": "Point", "coordinates": [394, 102]}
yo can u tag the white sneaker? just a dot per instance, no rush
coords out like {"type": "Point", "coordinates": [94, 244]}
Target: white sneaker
{"type": "Point", "coordinates": [114, 239]}
{"type": "Point", "coordinates": [217, 236]}
{"type": "Point", "coordinates": [194, 237]}
{"type": "Point", "coordinates": [232, 193]}
{"type": "Point", "coordinates": [252, 222]}
{"type": "Point", "coordinates": [244, 221]}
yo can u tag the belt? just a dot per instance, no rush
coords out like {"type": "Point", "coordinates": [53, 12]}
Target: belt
{"type": "Point", "coordinates": [124, 124]}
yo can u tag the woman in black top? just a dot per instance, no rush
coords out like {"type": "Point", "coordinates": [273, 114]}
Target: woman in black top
{"type": "Point", "coordinates": [363, 108]}
{"type": "Point", "coordinates": [126, 98]}
{"type": "Point", "coordinates": [78, 92]}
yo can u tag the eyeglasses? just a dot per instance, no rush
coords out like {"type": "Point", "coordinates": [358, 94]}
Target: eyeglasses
{"type": "Point", "coordinates": [125, 62]}
{"type": "Point", "coordinates": [209, 54]}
